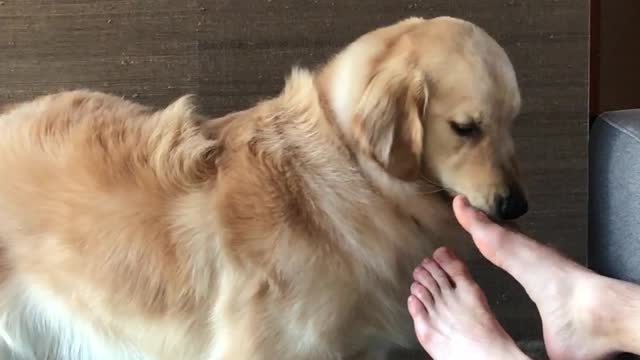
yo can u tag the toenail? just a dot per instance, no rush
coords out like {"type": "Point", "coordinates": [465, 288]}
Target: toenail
{"type": "Point", "coordinates": [416, 288]}
{"type": "Point", "coordinates": [444, 255]}
{"type": "Point", "coordinates": [423, 277]}
{"type": "Point", "coordinates": [422, 294]}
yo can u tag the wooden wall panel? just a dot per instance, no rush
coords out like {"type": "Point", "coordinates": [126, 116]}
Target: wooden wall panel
{"type": "Point", "coordinates": [615, 55]}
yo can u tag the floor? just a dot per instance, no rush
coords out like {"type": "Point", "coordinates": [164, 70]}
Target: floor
{"type": "Point", "coordinates": [233, 53]}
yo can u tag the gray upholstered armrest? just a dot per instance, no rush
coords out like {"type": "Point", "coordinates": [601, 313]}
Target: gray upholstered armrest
{"type": "Point", "coordinates": [614, 195]}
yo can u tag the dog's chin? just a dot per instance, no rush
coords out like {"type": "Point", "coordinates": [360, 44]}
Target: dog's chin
{"type": "Point", "coordinates": [509, 224]}
{"type": "Point", "coordinates": [449, 195]}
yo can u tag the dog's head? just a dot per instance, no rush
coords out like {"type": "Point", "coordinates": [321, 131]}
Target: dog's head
{"type": "Point", "coordinates": [433, 101]}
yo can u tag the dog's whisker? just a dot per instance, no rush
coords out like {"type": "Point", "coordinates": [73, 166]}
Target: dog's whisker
{"type": "Point", "coordinates": [432, 192]}
{"type": "Point", "coordinates": [436, 187]}
{"type": "Point", "coordinates": [433, 183]}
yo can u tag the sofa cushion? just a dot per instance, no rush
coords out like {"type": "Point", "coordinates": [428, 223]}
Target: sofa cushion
{"type": "Point", "coordinates": [614, 195]}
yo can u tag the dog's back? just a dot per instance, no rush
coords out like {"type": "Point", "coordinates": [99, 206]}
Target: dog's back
{"type": "Point", "coordinates": [86, 193]}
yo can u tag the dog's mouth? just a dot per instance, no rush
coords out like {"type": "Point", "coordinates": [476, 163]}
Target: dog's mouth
{"type": "Point", "coordinates": [447, 195]}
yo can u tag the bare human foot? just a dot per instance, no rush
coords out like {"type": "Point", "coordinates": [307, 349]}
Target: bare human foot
{"type": "Point", "coordinates": [451, 316]}
{"type": "Point", "coordinates": [584, 315]}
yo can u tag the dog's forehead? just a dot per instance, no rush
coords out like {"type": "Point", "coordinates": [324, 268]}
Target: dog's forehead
{"type": "Point", "coordinates": [458, 92]}
{"type": "Point", "coordinates": [447, 38]}
{"type": "Point", "coordinates": [475, 72]}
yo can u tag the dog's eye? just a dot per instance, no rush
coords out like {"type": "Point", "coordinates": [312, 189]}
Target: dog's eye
{"type": "Point", "coordinates": [466, 130]}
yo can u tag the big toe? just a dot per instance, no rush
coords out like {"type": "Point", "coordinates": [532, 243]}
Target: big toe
{"type": "Point", "coordinates": [514, 252]}
{"type": "Point", "coordinates": [498, 244]}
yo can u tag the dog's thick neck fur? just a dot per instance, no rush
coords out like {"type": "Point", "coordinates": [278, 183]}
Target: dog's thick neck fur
{"type": "Point", "coordinates": [288, 183]}
{"type": "Point", "coordinates": [295, 137]}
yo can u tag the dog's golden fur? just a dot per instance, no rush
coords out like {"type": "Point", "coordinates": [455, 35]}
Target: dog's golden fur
{"type": "Point", "coordinates": [286, 231]}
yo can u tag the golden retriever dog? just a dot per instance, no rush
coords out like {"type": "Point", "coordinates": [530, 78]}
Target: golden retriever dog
{"type": "Point", "coordinates": [285, 231]}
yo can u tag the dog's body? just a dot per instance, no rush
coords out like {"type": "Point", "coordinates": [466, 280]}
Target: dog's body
{"type": "Point", "coordinates": [280, 232]}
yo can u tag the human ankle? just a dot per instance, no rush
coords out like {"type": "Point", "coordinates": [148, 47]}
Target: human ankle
{"type": "Point", "coordinates": [617, 319]}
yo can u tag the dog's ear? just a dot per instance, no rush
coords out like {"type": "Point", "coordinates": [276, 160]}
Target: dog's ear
{"type": "Point", "coordinates": [387, 123]}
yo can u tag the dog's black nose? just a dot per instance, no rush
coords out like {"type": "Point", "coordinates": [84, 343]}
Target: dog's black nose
{"type": "Point", "coordinates": [512, 206]}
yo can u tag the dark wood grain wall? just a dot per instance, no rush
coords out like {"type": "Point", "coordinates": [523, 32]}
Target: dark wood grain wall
{"type": "Point", "coordinates": [233, 53]}
{"type": "Point", "coordinates": [615, 55]}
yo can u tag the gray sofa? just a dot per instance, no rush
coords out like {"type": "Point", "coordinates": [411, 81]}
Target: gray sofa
{"type": "Point", "coordinates": [614, 196]}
